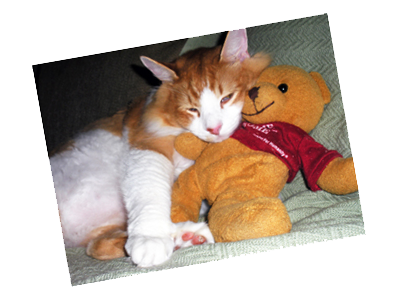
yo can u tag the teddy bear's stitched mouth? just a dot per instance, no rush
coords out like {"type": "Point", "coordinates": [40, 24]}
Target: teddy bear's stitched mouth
{"type": "Point", "coordinates": [258, 112]}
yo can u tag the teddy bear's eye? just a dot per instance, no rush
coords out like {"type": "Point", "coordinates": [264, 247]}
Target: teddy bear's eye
{"type": "Point", "coordinates": [283, 87]}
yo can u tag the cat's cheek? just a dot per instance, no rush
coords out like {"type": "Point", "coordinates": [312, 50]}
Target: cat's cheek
{"type": "Point", "coordinates": [185, 119]}
{"type": "Point", "coordinates": [195, 127]}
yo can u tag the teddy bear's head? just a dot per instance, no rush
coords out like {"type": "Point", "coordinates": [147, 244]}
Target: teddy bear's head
{"type": "Point", "coordinates": [287, 94]}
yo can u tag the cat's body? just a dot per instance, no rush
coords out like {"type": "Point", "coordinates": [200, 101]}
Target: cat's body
{"type": "Point", "coordinates": [113, 182]}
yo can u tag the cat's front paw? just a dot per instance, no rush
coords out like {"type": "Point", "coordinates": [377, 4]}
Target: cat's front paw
{"type": "Point", "coordinates": [146, 251]}
{"type": "Point", "coordinates": [189, 234]}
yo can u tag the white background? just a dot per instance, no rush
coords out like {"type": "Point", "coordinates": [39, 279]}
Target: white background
{"type": "Point", "coordinates": [368, 260]}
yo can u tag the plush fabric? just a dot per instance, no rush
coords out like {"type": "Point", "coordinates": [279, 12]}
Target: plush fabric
{"type": "Point", "coordinates": [315, 216]}
{"type": "Point", "coordinates": [300, 150]}
{"type": "Point", "coordinates": [242, 177]}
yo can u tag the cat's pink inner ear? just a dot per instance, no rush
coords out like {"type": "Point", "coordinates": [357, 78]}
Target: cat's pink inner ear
{"type": "Point", "coordinates": [162, 72]}
{"type": "Point", "coordinates": [235, 46]}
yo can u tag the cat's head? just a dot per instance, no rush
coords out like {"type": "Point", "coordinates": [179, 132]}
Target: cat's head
{"type": "Point", "coordinates": [203, 91]}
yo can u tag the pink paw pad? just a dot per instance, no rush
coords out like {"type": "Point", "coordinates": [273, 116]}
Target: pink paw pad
{"type": "Point", "coordinates": [187, 236]}
{"type": "Point", "coordinates": [198, 240]}
{"type": "Point", "coordinates": [192, 238]}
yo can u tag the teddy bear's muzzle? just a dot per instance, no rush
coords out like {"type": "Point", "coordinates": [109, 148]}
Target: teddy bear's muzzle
{"type": "Point", "coordinates": [253, 95]}
{"type": "Point", "coordinates": [258, 111]}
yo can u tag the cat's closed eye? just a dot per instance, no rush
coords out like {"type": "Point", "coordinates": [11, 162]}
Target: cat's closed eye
{"type": "Point", "coordinates": [226, 99]}
{"type": "Point", "coordinates": [193, 110]}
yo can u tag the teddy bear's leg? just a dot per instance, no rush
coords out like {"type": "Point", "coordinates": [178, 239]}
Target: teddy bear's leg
{"type": "Point", "coordinates": [236, 218]}
{"type": "Point", "coordinates": [339, 177]}
{"type": "Point", "coordinates": [186, 197]}
{"type": "Point", "coordinates": [185, 208]}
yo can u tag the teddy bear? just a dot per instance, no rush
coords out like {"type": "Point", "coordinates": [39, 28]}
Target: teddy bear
{"type": "Point", "coordinates": [242, 177]}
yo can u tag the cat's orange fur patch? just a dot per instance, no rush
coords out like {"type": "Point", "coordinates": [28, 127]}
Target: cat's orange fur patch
{"type": "Point", "coordinates": [107, 242]}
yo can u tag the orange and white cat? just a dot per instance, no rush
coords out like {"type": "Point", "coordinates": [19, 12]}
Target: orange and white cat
{"type": "Point", "coordinates": [113, 181]}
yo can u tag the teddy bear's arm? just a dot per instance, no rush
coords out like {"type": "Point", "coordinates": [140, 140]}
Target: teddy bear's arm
{"type": "Point", "coordinates": [339, 177]}
{"type": "Point", "coordinates": [186, 197]}
{"type": "Point", "coordinates": [189, 145]}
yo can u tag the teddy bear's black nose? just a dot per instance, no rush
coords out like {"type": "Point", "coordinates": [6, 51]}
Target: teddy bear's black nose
{"type": "Point", "coordinates": [253, 93]}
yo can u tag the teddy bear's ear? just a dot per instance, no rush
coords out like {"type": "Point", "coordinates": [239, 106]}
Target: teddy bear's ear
{"type": "Point", "coordinates": [326, 94]}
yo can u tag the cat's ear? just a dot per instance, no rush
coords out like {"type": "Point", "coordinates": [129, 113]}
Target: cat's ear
{"type": "Point", "coordinates": [235, 46]}
{"type": "Point", "coordinates": [162, 72]}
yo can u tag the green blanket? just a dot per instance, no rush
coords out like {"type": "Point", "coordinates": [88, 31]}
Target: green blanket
{"type": "Point", "coordinates": [316, 216]}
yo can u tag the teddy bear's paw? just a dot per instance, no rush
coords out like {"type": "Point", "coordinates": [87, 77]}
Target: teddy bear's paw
{"type": "Point", "coordinates": [189, 234]}
{"type": "Point", "coordinates": [147, 251]}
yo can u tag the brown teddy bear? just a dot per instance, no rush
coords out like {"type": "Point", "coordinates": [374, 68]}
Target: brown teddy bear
{"type": "Point", "coordinates": [241, 177]}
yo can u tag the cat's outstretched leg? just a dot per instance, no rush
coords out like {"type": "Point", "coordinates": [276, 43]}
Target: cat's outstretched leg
{"type": "Point", "coordinates": [146, 187]}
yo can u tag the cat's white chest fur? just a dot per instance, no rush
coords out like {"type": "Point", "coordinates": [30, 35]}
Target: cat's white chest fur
{"type": "Point", "coordinates": [180, 164]}
{"type": "Point", "coordinates": [87, 184]}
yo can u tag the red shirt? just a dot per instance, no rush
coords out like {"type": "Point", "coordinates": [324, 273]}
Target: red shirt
{"type": "Point", "coordinates": [295, 147]}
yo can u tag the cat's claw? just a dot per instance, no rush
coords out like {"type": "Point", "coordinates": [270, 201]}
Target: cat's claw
{"type": "Point", "coordinates": [189, 234]}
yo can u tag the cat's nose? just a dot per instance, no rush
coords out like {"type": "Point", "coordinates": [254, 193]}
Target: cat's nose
{"type": "Point", "coordinates": [215, 130]}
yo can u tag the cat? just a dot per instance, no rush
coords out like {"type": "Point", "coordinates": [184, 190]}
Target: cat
{"type": "Point", "coordinates": [113, 181]}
